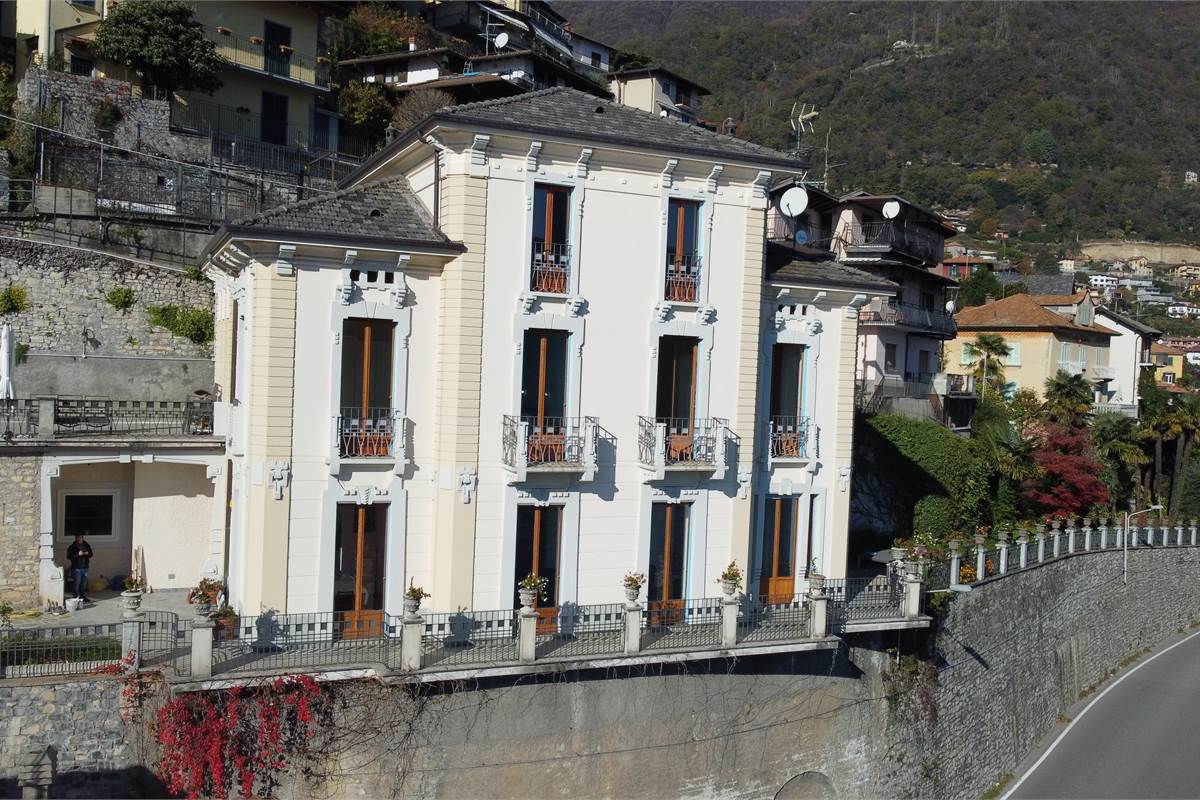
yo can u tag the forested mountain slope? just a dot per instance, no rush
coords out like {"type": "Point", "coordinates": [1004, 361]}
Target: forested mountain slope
{"type": "Point", "coordinates": [1062, 120]}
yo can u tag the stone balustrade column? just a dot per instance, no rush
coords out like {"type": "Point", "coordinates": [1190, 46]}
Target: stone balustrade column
{"type": "Point", "coordinates": [1192, 528]}
{"type": "Point", "coordinates": [1149, 534]}
{"type": "Point", "coordinates": [729, 615]}
{"type": "Point", "coordinates": [818, 615]}
{"type": "Point", "coordinates": [912, 589]}
{"type": "Point", "coordinates": [980, 549]}
{"type": "Point", "coordinates": [1002, 545]}
{"type": "Point", "coordinates": [1087, 533]}
{"type": "Point", "coordinates": [202, 647]}
{"type": "Point", "coordinates": [1121, 532]}
{"type": "Point", "coordinates": [1040, 537]}
{"type": "Point", "coordinates": [411, 630]}
{"type": "Point", "coordinates": [527, 635]}
{"type": "Point", "coordinates": [131, 637]}
{"type": "Point", "coordinates": [633, 627]}
{"type": "Point", "coordinates": [1179, 533]}
{"type": "Point", "coordinates": [1103, 532]}
{"type": "Point", "coordinates": [1023, 548]}
{"type": "Point", "coordinates": [1164, 529]}
{"type": "Point", "coordinates": [1054, 534]}
{"type": "Point", "coordinates": [955, 562]}
{"type": "Point", "coordinates": [1070, 531]}
{"type": "Point", "coordinates": [1132, 535]}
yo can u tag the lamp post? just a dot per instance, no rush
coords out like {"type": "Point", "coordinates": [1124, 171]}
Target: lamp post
{"type": "Point", "coordinates": [1125, 553]}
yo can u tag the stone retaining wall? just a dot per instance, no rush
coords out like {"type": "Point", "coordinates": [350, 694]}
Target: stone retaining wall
{"type": "Point", "coordinates": [20, 501]}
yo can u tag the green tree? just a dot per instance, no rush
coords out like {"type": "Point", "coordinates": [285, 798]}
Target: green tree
{"type": "Point", "coordinates": [163, 42]}
{"type": "Point", "coordinates": [987, 351]}
{"type": "Point", "coordinates": [417, 105]}
{"type": "Point", "coordinates": [366, 107]}
{"type": "Point", "coordinates": [1068, 398]}
{"type": "Point", "coordinates": [1118, 443]}
{"type": "Point", "coordinates": [975, 290]}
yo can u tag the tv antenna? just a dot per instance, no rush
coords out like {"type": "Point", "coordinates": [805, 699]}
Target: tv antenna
{"type": "Point", "coordinates": [802, 121]}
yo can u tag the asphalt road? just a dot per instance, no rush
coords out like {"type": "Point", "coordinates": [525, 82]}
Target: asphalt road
{"type": "Point", "coordinates": [1141, 739]}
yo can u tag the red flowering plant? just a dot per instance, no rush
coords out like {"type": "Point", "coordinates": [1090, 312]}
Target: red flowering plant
{"type": "Point", "coordinates": [1069, 483]}
{"type": "Point", "coordinates": [239, 740]}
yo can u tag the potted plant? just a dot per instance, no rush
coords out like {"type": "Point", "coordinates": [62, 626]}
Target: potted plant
{"type": "Point", "coordinates": [633, 583]}
{"type": "Point", "coordinates": [322, 59]}
{"type": "Point", "coordinates": [816, 581]}
{"type": "Point", "coordinates": [530, 588]}
{"type": "Point", "coordinates": [131, 598]}
{"type": "Point", "coordinates": [204, 595]}
{"type": "Point", "coordinates": [226, 620]}
{"type": "Point", "coordinates": [413, 596]}
{"type": "Point", "coordinates": [221, 29]}
{"type": "Point", "coordinates": [5, 617]}
{"type": "Point", "coordinates": [286, 50]}
{"type": "Point", "coordinates": [256, 40]}
{"type": "Point", "coordinates": [730, 579]}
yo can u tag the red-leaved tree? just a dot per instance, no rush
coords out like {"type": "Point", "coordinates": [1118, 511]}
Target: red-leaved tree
{"type": "Point", "coordinates": [1069, 484]}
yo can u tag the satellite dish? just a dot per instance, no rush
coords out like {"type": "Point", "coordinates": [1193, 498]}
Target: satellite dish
{"type": "Point", "coordinates": [501, 40]}
{"type": "Point", "coordinates": [950, 306]}
{"type": "Point", "coordinates": [794, 201]}
{"type": "Point", "coordinates": [801, 236]}
{"type": "Point", "coordinates": [891, 209]}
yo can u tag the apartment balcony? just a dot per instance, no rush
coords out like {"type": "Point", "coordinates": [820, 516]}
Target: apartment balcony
{"type": "Point", "coordinates": [792, 439]}
{"type": "Point", "coordinates": [1072, 367]}
{"type": "Point", "coordinates": [801, 234]}
{"type": "Point", "coordinates": [1103, 373]}
{"type": "Point", "coordinates": [550, 445]}
{"type": "Point", "coordinates": [873, 241]}
{"type": "Point", "coordinates": [952, 385]}
{"type": "Point", "coordinates": [550, 268]}
{"type": "Point", "coordinates": [929, 321]}
{"type": "Point", "coordinates": [678, 444]}
{"type": "Point", "coordinates": [371, 435]}
{"type": "Point", "coordinates": [682, 279]}
{"type": "Point", "coordinates": [102, 418]}
{"type": "Point", "coordinates": [1126, 409]}
{"type": "Point", "coordinates": [279, 61]}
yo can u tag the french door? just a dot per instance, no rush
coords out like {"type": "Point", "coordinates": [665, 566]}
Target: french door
{"type": "Point", "coordinates": [675, 396]}
{"type": "Point", "coordinates": [778, 557]}
{"type": "Point", "coordinates": [539, 539]}
{"type": "Point", "coordinates": [360, 569]}
{"type": "Point", "coordinates": [544, 394]}
{"type": "Point", "coordinates": [551, 255]}
{"type": "Point", "coordinates": [366, 428]}
{"type": "Point", "coordinates": [666, 578]}
{"type": "Point", "coordinates": [683, 247]}
{"type": "Point", "coordinates": [787, 398]}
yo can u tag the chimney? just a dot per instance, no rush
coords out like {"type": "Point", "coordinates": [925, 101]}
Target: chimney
{"type": "Point", "coordinates": [412, 43]}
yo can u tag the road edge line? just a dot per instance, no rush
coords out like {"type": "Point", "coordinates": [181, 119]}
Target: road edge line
{"type": "Point", "coordinates": [1017, 784]}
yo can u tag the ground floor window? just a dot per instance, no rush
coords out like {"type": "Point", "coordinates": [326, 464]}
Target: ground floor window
{"type": "Point", "coordinates": [89, 514]}
{"type": "Point", "coordinates": [360, 569]}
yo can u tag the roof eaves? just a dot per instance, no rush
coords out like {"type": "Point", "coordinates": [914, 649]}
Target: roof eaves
{"type": "Point", "coordinates": [318, 237]}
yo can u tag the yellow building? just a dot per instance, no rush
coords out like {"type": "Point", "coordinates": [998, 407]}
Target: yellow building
{"type": "Point", "coordinates": [1041, 341]}
{"type": "Point", "coordinates": [273, 76]}
{"type": "Point", "coordinates": [1168, 363]}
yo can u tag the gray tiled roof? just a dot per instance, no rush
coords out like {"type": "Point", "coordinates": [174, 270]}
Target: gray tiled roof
{"type": "Point", "coordinates": [785, 264]}
{"type": "Point", "coordinates": [1039, 284]}
{"type": "Point", "coordinates": [574, 113]}
{"type": "Point", "coordinates": [382, 210]}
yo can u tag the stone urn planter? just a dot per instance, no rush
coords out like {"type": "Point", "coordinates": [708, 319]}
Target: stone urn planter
{"type": "Point", "coordinates": [816, 583]}
{"type": "Point", "coordinates": [631, 594]}
{"type": "Point", "coordinates": [528, 596]}
{"type": "Point", "coordinates": [728, 588]}
{"type": "Point", "coordinates": [131, 600]}
{"type": "Point", "coordinates": [411, 605]}
{"type": "Point", "coordinates": [202, 609]}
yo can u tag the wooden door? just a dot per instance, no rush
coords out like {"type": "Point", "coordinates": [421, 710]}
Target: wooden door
{"type": "Point", "coordinates": [366, 393]}
{"type": "Point", "coordinates": [667, 575]}
{"type": "Point", "coordinates": [683, 246]}
{"type": "Point", "coordinates": [539, 535]}
{"type": "Point", "coordinates": [778, 581]}
{"type": "Point", "coordinates": [551, 232]}
{"type": "Point", "coordinates": [544, 394]}
{"type": "Point", "coordinates": [675, 397]}
{"type": "Point", "coordinates": [360, 568]}
{"type": "Point", "coordinates": [787, 400]}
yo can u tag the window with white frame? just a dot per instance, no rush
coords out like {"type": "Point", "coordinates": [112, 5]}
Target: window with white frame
{"type": "Point", "coordinates": [1013, 359]}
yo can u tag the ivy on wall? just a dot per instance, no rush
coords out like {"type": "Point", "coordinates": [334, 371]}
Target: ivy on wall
{"type": "Point", "coordinates": [191, 323]}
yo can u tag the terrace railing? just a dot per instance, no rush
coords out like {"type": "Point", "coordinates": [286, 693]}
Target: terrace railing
{"type": "Point", "coordinates": [550, 268]}
{"type": "Point", "coordinates": [283, 61]}
{"type": "Point", "coordinates": [866, 599]}
{"type": "Point", "coordinates": [682, 278]}
{"type": "Point", "coordinates": [549, 444]}
{"type": "Point", "coordinates": [368, 433]}
{"type": "Point", "coordinates": [83, 416]}
{"type": "Point", "coordinates": [67, 650]}
{"type": "Point", "coordinates": [910, 240]}
{"type": "Point", "coordinates": [791, 438]}
{"type": "Point", "coordinates": [678, 442]}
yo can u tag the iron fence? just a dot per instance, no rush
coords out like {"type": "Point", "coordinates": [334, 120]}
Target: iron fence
{"type": "Point", "coordinates": [19, 418]}
{"type": "Point", "coordinates": [71, 650]}
{"type": "Point", "coordinates": [167, 641]}
{"type": "Point", "coordinates": [863, 599]}
{"type": "Point", "coordinates": [273, 58]}
{"type": "Point", "coordinates": [683, 278]}
{"type": "Point", "coordinates": [572, 630]}
{"type": "Point", "coordinates": [550, 267]}
{"type": "Point", "coordinates": [98, 416]}
{"type": "Point", "coordinates": [897, 236]}
{"type": "Point", "coordinates": [681, 624]}
{"type": "Point", "coordinates": [773, 620]}
{"type": "Point", "coordinates": [549, 441]}
{"type": "Point", "coordinates": [686, 441]}
{"type": "Point", "coordinates": [790, 437]}
{"type": "Point", "coordinates": [367, 433]}
{"type": "Point", "coordinates": [469, 638]}
{"type": "Point", "coordinates": [305, 641]}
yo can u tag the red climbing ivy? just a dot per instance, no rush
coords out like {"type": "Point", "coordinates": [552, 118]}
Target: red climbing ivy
{"type": "Point", "coordinates": [217, 743]}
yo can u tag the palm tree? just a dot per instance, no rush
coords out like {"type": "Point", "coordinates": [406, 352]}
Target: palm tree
{"type": "Point", "coordinates": [1187, 415]}
{"type": "Point", "coordinates": [988, 349]}
{"type": "Point", "coordinates": [1068, 398]}
{"type": "Point", "coordinates": [1118, 444]}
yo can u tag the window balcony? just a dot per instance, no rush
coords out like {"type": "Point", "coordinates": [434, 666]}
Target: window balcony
{"type": "Point", "coordinates": [550, 268]}
{"type": "Point", "coordinates": [1072, 367]}
{"type": "Point", "coordinates": [683, 279]}
{"type": "Point", "coordinates": [907, 315]}
{"type": "Point", "coordinates": [373, 434]}
{"type": "Point", "coordinates": [668, 443]}
{"type": "Point", "coordinates": [1104, 373]}
{"type": "Point", "coordinates": [792, 439]}
{"type": "Point", "coordinates": [561, 444]}
{"type": "Point", "coordinates": [279, 60]}
{"type": "Point", "coordinates": [871, 241]}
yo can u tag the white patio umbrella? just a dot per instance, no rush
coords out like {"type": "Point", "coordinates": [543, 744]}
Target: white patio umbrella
{"type": "Point", "coordinates": [7, 363]}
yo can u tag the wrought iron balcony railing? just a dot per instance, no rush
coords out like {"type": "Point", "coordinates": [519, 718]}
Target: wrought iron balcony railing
{"type": "Point", "coordinates": [550, 444]}
{"type": "Point", "coordinates": [791, 438]}
{"type": "Point", "coordinates": [88, 416]}
{"type": "Point", "coordinates": [683, 278]}
{"type": "Point", "coordinates": [870, 238]}
{"type": "Point", "coordinates": [367, 433]}
{"type": "Point", "coordinates": [550, 268]}
{"type": "Point", "coordinates": [281, 60]}
{"type": "Point", "coordinates": [907, 315]}
{"type": "Point", "coordinates": [680, 443]}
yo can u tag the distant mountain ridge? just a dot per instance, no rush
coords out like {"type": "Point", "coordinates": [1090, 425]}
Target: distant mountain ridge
{"type": "Point", "coordinates": [1061, 120]}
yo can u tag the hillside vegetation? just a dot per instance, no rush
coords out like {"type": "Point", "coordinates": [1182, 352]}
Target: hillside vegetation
{"type": "Point", "coordinates": [1057, 121]}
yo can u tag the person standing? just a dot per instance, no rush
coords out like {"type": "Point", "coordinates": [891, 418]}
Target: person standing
{"type": "Point", "coordinates": [80, 556]}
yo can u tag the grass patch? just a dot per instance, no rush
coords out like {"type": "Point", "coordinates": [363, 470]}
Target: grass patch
{"type": "Point", "coordinates": [121, 298]}
{"type": "Point", "coordinates": [13, 298]}
{"type": "Point", "coordinates": [997, 788]}
{"type": "Point", "coordinates": [190, 323]}
{"type": "Point", "coordinates": [20, 649]}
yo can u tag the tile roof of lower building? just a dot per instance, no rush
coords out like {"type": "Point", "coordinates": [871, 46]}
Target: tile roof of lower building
{"type": "Point", "coordinates": [1129, 322]}
{"type": "Point", "coordinates": [570, 112]}
{"type": "Point", "coordinates": [785, 264]}
{"type": "Point", "coordinates": [1059, 299]}
{"type": "Point", "coordinates": [1020, 311]}
{"type": "Point", "coordinates": [1039, 284]}
{"type": "Point", "coordinates": [382, 211]}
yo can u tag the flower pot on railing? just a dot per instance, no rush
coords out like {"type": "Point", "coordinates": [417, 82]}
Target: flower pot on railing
{"type": "Point", "coordinates": [287, 51]}
{"type": "Point", "coordinates": [224, 31]}
{"type": "Point", "coordinates": [632, 594]}
{"type": "Point", "coordinates": [816, 583]}
{"type": "Point", "coordinates": [256, 40]}
{"type": "Point", "coordinates": [411, 605]}
{"type": "Point", "coordinates": [728, 588]}
{"type": "Point", "coordinates": [527, 597]}
{"type": "Point", "coordinates": [225, 626]}
{"type": "Point", "coordinates": [131, 600]}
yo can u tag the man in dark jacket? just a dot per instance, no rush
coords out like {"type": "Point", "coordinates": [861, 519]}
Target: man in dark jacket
{"type": "Point", "coordinates": [80, 556]}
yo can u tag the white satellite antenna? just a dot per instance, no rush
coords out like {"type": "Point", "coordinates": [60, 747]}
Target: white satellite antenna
{"type": "Point", "coordinates": [794, 201]}
{"type": "Point", "coordinates": [501, 40]}
{"type": "Point", "coordinates": [891, 209]}
{"type": "Point", "coordinates": [950, 306]}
